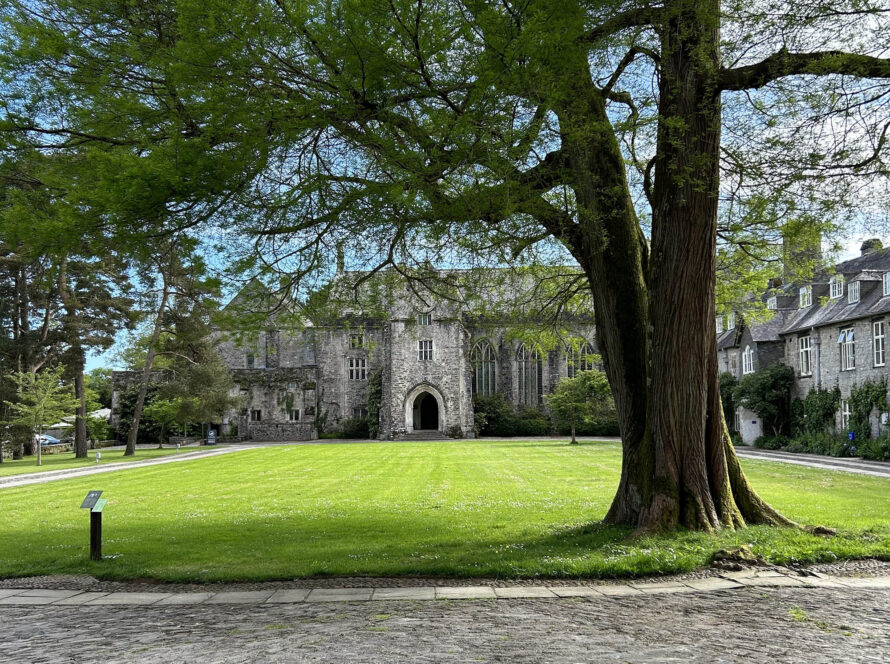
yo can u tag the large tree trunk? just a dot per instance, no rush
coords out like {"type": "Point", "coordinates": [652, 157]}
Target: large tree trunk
{"type": "Point", "coordinates": [146, 371]}
{"type": "Point", "coordinates": [678, 464]}
{"type": "Point", "coordinates": [697, 481]}
{"type": "Point", "coordinates": [81, 444]}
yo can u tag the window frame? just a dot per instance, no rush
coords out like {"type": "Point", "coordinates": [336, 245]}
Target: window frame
{"type": "Point", "coordinates": [836, 287]}
{"type": "Point", "coordinates": [730, 320]}
{"type": "Point", "coordinates": [772, 303]}
{"type": "Point", "coordinates": [719, 324]}
{"type": "Point", "coordinates": [356, 341]}
{"type": "Point", "coordinates": [847, 342]}
{"type": "Point", "coordinates": [293, 415]}
{"type": "Point", "coordinates": [805, 297]}
{"type": "Point", "coordinates": [256, 415]}
{"type": "Point", "coordinates": [424, 351]}
{"type": "Point", "coordinates": [853, 292]}
{"type": "Point", "coordinates": [425, 319]}
{"type": "Point", "coordinates": [879, 343]}
{"type": "Point", "coordinates": [748, 361]}
{"type": "Point", "coordinates": [357, 368]}
{"type": "Point", "coordinates": [805, 355]}
{"type": "Point", "coordinates": [577, 359]}
{"type": "Point", "coordinates": [484, 361]}
{"type": "Point", "coordinates": [885, 279]}
{"type": "Point", "coordinates": [530, 376]}
{"type": "Point", "coordinates": [846, 414]}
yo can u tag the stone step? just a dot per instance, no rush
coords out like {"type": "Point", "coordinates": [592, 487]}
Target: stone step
{"type": "Point", "coordinates": [425, 435]}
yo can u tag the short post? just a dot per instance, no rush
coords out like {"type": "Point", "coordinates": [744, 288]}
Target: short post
{"type": "Point", "coordinates": [95, 534]}
{"type": "Point", "coordinates": [93, 503]}
{"type": "Point", "coordinates": [98, 456]}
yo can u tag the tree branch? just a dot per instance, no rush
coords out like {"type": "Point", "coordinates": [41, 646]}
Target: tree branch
{"type": "Point", "coordinates": [632, 18]}
{"type": "Point", "coordinates": [820, 63]}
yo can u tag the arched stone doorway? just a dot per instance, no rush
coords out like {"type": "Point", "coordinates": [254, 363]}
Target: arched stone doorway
{"type": "Point", "coordinates": [424, 409]}
{"type": "Point", "coordinates": [425, 412]}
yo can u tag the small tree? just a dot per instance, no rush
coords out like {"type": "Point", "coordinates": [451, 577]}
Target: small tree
{"type": "Point", "coordinates": [581, 399]}
{"type": "Point", "coordinates": [43, 398]}
{"type": "Point", "coordinates": [767, 392]}
{"type": "Point", "coordinates": [165, 412]}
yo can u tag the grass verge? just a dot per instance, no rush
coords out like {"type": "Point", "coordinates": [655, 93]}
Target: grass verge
{"type": "Point", "coordinates": [468, 509]}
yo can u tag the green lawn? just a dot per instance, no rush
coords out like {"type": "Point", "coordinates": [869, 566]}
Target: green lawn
{"type": "Point", "coordinates": [467, 508]}
{"type": "Point", "coordinates": [66, 460]}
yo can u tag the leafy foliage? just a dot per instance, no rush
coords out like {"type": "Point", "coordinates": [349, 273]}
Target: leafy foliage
{"type": "Point", "coordinates": [375, 396]}
{"type": "Point", "coordinates": [728, 383]}
{"type": "Point", "coordinates": [767, 392]}
{"type": "Point", "coordinates": [863, 400]}
{"type": "Point", "coordinates": [582, 400]}
{"type": "Point", "coordinates": [815, 414]}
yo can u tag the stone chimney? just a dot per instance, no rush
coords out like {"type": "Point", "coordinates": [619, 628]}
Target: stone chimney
{"type": "Point", "coordinates": [871, 246]}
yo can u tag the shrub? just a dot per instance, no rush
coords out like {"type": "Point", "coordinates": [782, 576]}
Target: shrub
{"type": "Point", "coordinates": [767, 392]}
{"type": "Point", "coordinates": [770, 442]}
{"type": "Point", "coordinates": [728, 384]}
{"type": "Point", "coordinates": [355, 427]}
{"type": "Point", "coordinates": [815, 414]}
{"type": "Point", "coordinates": [863, 399]}
{"type": "Point", "coordinates": [532, 422]}
{"type": "Point", "coordinates": [876, 449]}
{"type": "Point", "coordinates": [495, 417]}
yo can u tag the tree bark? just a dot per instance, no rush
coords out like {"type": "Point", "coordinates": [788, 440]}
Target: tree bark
{"type": "Point", "coordinates": [146, 371]}
{"type": "Point", "coordinates": [655, 315]}
{"type": "Point", "coordinates": [688, 474]}
{"type": "Point", "coordinates": [76, 362]}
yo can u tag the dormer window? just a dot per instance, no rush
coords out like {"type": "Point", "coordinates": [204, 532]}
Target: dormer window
{"type": "Point", "coordinates": [886, 280]}
{"type": "Point", "coordinates": [424, 319]}
{"type": "Point", "coordinates": [806, 296]}
{"type": "Point", "coordinates": [853, 293]}
{"type": "Point", "coordinates": [719, 324]}
{"type": "Point", "coordinates": [772, 303]}
{"type": "Point", "coordinates": [730, 321]}
{"type": "Point", "coordinates": [837, 286]}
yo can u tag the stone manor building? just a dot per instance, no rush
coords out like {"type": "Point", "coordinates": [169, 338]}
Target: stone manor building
{"type": "Point", "coordinates": [428, 355]}
{"type": "Point", "coordinates": [831, 331]}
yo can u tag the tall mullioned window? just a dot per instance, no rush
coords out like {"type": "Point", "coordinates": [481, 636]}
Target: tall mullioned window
{"type": "Point", "coordinates": [804, 349]}
{"type": "Point", "coordinates": [425, 349]}
{"type": "Point", "coordinates": [358, 368]}
{"type": "Point", "coordinates": [484, 363]}
{"type": "Point", "coordinates": [848, 349]}
{"type": "Point", "coordinates": [579, 359]}
{"type": "Point", "coordinates": [806, 296]}
{"type": "Point", "coordinates": [878, 342]}
{"type": "Point", "coordinates": [846, 412]}
{"type": "Point", "coordinates": [748, 360]}
{"type": "Point", "coordinates": [530, 376]}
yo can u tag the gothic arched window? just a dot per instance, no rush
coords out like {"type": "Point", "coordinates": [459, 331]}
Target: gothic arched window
{"type": "Point", "coordinates": [483, 359]}
{"type": "Point", "coordinates": [530, 376]}
{"type": "Point", "coordinates": [579, 358]}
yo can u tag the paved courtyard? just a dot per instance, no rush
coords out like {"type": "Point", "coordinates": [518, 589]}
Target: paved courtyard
{"type": "Point", "coordinates": [747, 624]}
{"type": "Point", "coordinates": [752, 615]}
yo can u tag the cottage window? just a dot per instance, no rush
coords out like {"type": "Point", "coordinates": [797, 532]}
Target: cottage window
{"type": "Point", "coordinates": [845, 414]}
{"type": "Point", "coordinates": [748, 360]}
{"type": "Point", "coordinates": [734, 363]}
{"type": "Point", "coordinates": [803, 346]}
{"type": "Point", "coordinates": [886, 280]}
{"type": "Point", "coordinates": [425, 349]}
{"type": "Point", "coordinates": [837, 286]}
{"type": "Point", "coordinates": [424, 319]}
{"type": "Point", "coordinates": [484, 362]}
{"type": "Point", "coordinates": [579, 359]}
{"type": "Point", "coordinates": [293, 415]}
{"type": "Point", "coordinates": [530, 376]}
{"type": "Point", "coordinates": [360, 411]}
{"type": "Point", "coordinates": [878, 337]}
{"type": "Point", "coordinates": [730, 321]}
{"type": "Point", "coordinates": [848, 349]}
{"type": "Point", "coordinates": [356, 341]}
{"type": "Point", "coordinates": [806, 297]}
{"type": "Point", "coordinates": [358, 369]}
{"type": "Point", "coordinates": [719, 324]}
{"type": "Point", "coordinates": [853, 293]}
{"type": "Point", "coordinates": [772, 303]}
{"type": "Point", "coordinates": [256, 416]}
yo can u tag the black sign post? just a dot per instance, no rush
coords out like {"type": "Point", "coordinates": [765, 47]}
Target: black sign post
{"type": "Point", "coordinates": [93, 503]}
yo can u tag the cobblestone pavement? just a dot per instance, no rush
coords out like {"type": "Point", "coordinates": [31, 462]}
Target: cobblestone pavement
{"type": "Point", "coordinates": [854, 465]}
{"type": "Point", "coordinates": [748, 624]}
